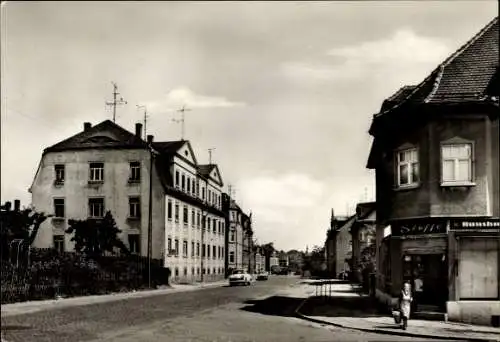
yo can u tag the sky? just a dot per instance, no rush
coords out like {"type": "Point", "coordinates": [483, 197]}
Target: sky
{"type": "Point", "coordinates": [284, 91]}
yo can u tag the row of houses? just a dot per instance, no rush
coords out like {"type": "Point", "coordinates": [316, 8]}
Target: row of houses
{"type": "Point", "coordinates": [155, 187]}
{"type": "Point", "coordinates": [435, 154]}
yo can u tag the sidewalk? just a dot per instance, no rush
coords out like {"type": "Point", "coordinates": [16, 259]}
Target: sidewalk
{"type": "Point", "coordinates": [35, 306]}
{"type": "Point", "coordinates": [348, 308]}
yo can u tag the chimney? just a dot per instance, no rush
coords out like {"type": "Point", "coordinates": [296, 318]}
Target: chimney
{"type": "Point", "coordinates": [8, 205]}
{"type": "Point", "coordinates": [150, 139]}
{"type": "Point", "coordinates": [86, 126]}
{"type": "Point", "coordinates": [138, 130]}
{"type": "Point", "coordinates": [17, 205]}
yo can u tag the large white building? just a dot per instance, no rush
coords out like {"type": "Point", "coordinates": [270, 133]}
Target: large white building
{"type": "Point", "coordinates": [107, 168]}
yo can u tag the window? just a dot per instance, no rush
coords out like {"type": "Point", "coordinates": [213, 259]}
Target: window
{"type": "Point", "coordinates": [188, 185]}
{"type": "Point", "coordinates": [177, 178]}
{"type": "Point", "coordinates": [208, 223]}
{"type": "Point", "coordinates": [183, 182]}
{"type": "Point", "coordinates": [198, 249]}
{"type": "Point", "coordinates": [223, 252]}
{"type": "Point", "coordinates": [203, 193]}
{"type": "Point", "coordinates": [232, 236]}
{"type": "Point", "coordinates": [408, 170]}
{"type": "Point", "coordinates": [203, 222]}
{"type": "Point", "coordinates": [134, 205]}
{"type": "Point", "coordinates": [59, 170]}
{"type": "Point", "coordinates": [176, 271]}
{"type": "Point", "coordinates": [59, 243]}
{"type": "Point", "coordinates": [135, 172]}
{"type": "Point", "coordinates": [214, 252]}
{"type": "Point", "coordinates": [223, 227]}
{"type": "Point", "coordinates": [186, 215]}
{"type": "Point", "coordinates": [193, 187]}
{"type": "Point", "coordinates": [214, 226]}
{"type": "Point", "coordinates": [185, 271]}
{"type": "Point", "coordinates": [176, 246]}
{"type": "Point", "coordinates": [219, 252]}
{"type": "Point", "coordinates": [59, 207]}
{"type": "Point", "coordinates": [231, 257]}
{"type": "Point", "coordinates": [96, 207]}
{"type": "Point", "coordinates": [193, 222]}
{"type": "Point", "coordinates": [198, 219]}
{"type": "Point", "coordinates": [208, 251]}
{"type": "Point", "coordinates": [209, 195]}
{"type": "Point", "coordinates": [176, 212]}
{"type": "Point", "coordinates": [203, 251]}
{"type": "Point", "coordinates": [134, 243]}
{"type": "Point", "coordinates": [169, 245]}
{"type": "Point", "coordinates": [456, 164]}
{"type": "Point", "coordinates": [169, 209]}
{"type": "Point", "coordinates": [184, 248]}
{"type": "Point", "coordinates": [96, 172]}
{"type": "Point", "coordinates": [208, 270]}
{"type": "Point", "coordinates": [197, 188]}
{"type": "Point", "coordinates": [197, 270]}
{"type": "Point", "coordinates": [192, 248]}
{"type": "Point", "coordinates": [220, 227]}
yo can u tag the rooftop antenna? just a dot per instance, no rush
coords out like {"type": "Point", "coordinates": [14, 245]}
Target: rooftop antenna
{"type": "Point", "coordinates": [145, 119]}
{"type": "Point", "coordinates": [210, 150]}
{"type": "Point", "coordinates": [182, 120]}
{"type": "Point", "coordinates": [116, 101]}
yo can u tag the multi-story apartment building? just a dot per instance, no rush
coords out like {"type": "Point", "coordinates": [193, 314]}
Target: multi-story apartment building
{"type": "Point", "coordinates": [248, 259]}
{"type": "Point", "coordinates": [338, 245]}
{"type": "Point", "coordinates": [234, 234]}
{"type": "Point", "coordinates": [338, 242]}
{"type": "Point", "coordinates": [107, 168]}
{"type": "Point", "coordinates": [260, 261]}
{"type": "Point", "coordinates": [436, 157]}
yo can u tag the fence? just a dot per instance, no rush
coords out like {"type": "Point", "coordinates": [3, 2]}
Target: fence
{"type": "Point", "coordinates": [48, 274]}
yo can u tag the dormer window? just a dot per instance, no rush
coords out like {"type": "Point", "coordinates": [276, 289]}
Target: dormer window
{"type": "Point", "coordinates": [456, 163]}
{"type": "Point", "coordinates": [407, 167]}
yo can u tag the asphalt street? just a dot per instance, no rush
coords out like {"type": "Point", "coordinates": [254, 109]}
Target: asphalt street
{"type": "Point", "coordinates": [223, 314]}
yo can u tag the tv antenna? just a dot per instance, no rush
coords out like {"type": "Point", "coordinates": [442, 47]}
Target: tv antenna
{"type": "Point", "coordinates": [182, 120]}
{"type": "Point", "coordinates": [116, 101]}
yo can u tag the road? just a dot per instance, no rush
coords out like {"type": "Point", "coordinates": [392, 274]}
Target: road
{"type": "Point", "coordinates": [222, 314]}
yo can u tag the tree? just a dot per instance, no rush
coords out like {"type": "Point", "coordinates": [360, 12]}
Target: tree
{"type": "Point", "coordinates": [19, 224]}
{"type": "Point", "coordinates": [315, 262]}
{"type": "Point", "coordinates": [94, 237]}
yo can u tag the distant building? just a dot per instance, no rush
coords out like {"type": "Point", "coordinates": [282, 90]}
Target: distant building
{"type": "Point", "coordinates": [362, 234]}
{"type": "Point", "coordinates": [436, 157]}
{"type": "Point", "coordinates": [338, 245]}
{"type": "Point", "coordinates": [260, 261]}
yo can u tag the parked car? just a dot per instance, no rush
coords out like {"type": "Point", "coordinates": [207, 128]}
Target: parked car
{"type": "Point", "coordinates": [239, 277]}
{"type": "Point", "coordinates": [263, 276]}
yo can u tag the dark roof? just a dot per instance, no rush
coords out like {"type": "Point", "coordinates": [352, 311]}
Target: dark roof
{"type": "Point", "coordinates": [466, 75]}
{"type": "Point", "coordinates": [205, 169]}
{"type": "Point", "coordinates": [121, 138]}
{"type": "Point", "coordinates": [168, 147]}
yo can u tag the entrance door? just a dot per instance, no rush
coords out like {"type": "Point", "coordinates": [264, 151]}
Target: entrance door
{"type": "Point", "coordinates": [432, 271]}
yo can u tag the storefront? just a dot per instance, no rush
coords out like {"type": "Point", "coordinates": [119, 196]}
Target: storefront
{"type": "Point", "coordinates": [424, 262]}
{"type": "Point", "coordinates": [475, 276]}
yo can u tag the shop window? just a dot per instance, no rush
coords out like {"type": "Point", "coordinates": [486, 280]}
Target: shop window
{"type": "Point", "coordinates": [478, 268]}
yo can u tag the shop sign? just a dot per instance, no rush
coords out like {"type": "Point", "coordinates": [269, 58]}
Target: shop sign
{"type": "Point", "coordinates": [475, 224]}
{"type": "Point", "coordinates": [418, 228]}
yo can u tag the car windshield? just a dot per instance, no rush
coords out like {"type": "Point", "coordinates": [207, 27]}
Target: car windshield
{"type": "Point", "coordinates": [238, 272]}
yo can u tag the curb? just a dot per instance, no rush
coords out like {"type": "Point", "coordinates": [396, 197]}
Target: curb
{"type": "Point", "coordinates": [46, 305]}
{"type": "Point", "coordinates": [385, 332]}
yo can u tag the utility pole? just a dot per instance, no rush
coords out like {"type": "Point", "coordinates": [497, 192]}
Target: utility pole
{"type": "Point", "coordinates": [182, 120]}
{"type": "Point", "coordinates": [145, 119]}
{"type": "Point", "coordinates": [150, 208]}
{"type": "Point", "coordinates": [116, 101]}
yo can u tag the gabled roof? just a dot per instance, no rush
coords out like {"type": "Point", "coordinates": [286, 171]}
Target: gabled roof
{"type": "Point", "coordinates": [106, 134]}
{"type": "Point", "coordinates": [205, 170]}
{"type": "Point", "coordinates": [168, 147]}
{"type": "Point", "coordinates": [464, 76]}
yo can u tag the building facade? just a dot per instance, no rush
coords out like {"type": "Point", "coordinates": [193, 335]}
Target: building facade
{"type": "Point", "coordinates": [338, 244]}
{"type": "Point", "coordinates": [363, 232]}
{"type": "Point", "coordinates": [248, 259]}
{"type": "Point", "coordinates": [260, 261]}
{"type": "Point", "coordinates": [436, 157]}
{"type": "Point", "coordinates": [107, 168]}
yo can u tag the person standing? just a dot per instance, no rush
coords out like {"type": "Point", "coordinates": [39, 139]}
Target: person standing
{"type": "Point", "coordinates": [405, 299]}
{"type": "Point", "coordinates": [419, 288]}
